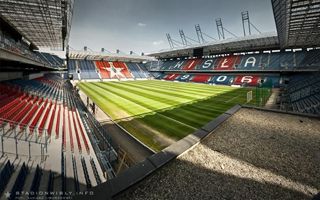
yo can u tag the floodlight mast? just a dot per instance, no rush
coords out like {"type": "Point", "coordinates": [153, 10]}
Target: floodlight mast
{"type": "Point", "coordinates": [183, 37]}
{"type": "Point", "coordinates": [220, 28]}
{"type": "Point", "coordinates": [246, 22]}
{"type": "Point", "coordinates": [103, 50]}
{"type": "Point", "coordinates": [170, 41]}
{"type": "Point", "coordinates": [173, 42]}
{"type": "Point", "coordinates": [199, 34]}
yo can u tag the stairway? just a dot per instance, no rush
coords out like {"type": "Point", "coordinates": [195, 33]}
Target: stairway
{"type": "Point", "coordinates": [272, 101]}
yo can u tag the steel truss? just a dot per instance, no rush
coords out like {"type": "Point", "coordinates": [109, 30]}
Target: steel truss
{"type": "Point", "coordinates": [10, 129]}
{"type": "Point", "coordinates": [297, 22]}
{"type": "Point", "coordinates": [44, 23]}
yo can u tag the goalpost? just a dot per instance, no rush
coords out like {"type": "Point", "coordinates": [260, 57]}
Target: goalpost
{"type": "Point", "coordinates": [249, 96]}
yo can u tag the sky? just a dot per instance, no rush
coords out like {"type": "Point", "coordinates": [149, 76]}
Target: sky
{"type": "Point", "coordinates": [141, 25]}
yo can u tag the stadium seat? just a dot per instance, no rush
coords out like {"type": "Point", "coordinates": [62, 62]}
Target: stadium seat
{"type": "Point", "coordinates": [201, 78]}
{"type": "Point", "coordinates": [191, 64]}
{"type": "Point", "coordinates": [171, 77]}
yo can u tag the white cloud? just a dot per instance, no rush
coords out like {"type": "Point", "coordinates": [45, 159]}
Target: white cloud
{"type": "Point", "coordinates": [141, 24]}
{"type": "Point", "coordinates": [156, 43]}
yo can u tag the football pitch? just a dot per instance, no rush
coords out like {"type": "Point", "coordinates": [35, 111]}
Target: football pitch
{"type": "Point", "coordinates": [159, 113]}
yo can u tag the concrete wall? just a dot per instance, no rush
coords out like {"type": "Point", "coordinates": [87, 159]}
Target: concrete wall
{"type": "Point", "coordinates": [34, 76]}
{"type": "Point", "coordinates": [10, 75]}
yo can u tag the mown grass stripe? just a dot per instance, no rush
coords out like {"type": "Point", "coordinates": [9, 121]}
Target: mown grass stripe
{"type": "Point", "coordinates": [141, 102]}
{"type": "Point", "coordinates": [190, 88]}
{"type": "Point", "coordinates": [127, 106]}
{"type": "Point", "coordinates": [173, 110]}
{"type": "Point", "coordinates": [161, 96]}
{"type": "Point", "coordinates": [170, 91]}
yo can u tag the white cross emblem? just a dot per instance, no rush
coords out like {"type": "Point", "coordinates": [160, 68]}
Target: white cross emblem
{"type": "Point", "coordinates": [114, 71]}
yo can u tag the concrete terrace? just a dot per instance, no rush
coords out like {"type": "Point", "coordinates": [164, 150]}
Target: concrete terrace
{"type": "Point", "coordinates": [252, 155]}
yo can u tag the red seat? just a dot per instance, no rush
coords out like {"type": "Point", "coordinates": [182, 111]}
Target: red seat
{"type": "Point", "coordinates": [77, 133]}
{"type": "Point", "coordinates": [22, 113]}
{"type": "Point", "coordinates": [36, 119]}
{"type": "Point", "coordinates": [82, 133]}
{"type": "Point", "coordinates": [64, 142]}
{"type": "Point", "coordinates": [191, 64]}
{"type": "Point", "coordinates": [52, 119]}
{"type": "Point", "coordinates": [13, 112]}
{"type": "Point", "coordinates": [201, 78]}
{"type": "Point", "coordinates": [70, 132]}
{"type": "Point", "coordinates": [44, 119]}
{"type": "Point", "coordinates": [124, 68]}
{"type": "Point", "coordinates": [228, 62]}
{"type": "Point", "coordinates": [58, 123]}
{"type": "Point", "coordinates": [171, 77]}
{"type": "Point", "coordinates": [27, 119]}
{"type": "Point", "coordinates": [103, 66]}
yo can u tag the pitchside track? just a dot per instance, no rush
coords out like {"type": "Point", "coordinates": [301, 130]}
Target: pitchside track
{"type": "Point", "coordinates": [159, 113]}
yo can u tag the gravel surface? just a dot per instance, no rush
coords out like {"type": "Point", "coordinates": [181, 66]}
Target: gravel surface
{"type": "Point", "coordinates": [253, 155]}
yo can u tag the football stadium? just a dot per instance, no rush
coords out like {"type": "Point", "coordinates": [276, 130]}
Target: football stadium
{"type": "Point", "coordinates": [217, 115]}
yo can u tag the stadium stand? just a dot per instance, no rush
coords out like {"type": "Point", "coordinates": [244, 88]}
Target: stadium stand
{"type": "Point", "coordinates": [73, 69]}
{"type": "Point", "coordinates": [43, 107]}
{"type": "Point", "coordinates": [302, 94]}
{"type": "Point", "coordinates": [249, 62]}
{"type": "Point", "coordinates": [201, 78]}
{"type": "Point", "coordinates": [103, 70]}
{"type": "Point", "coordinates": [88, 70]}
{"type": "Point", "coordinates": [53, 60]}
{"type": "Point", "coordinates": [136, 72]}
{"type": "Point", "coordinates": [42, 131]}
{"type": "Point", "coordinates": [21, 48]}
{"type": "Point", "coordinates": [223, 79]}
{"type": "Point", "coordinates": [123, 67]}
{"type": "Point", "coordinates": [247, 69]}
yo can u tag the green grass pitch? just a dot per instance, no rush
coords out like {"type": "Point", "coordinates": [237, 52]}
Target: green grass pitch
{"type": "Point", "coordinates": [159, 113]}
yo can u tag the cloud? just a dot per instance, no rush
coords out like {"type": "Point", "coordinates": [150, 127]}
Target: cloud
{"type": "Point", "coordinates": [156, 43]}
{"type": "Point", "coordinates": [140, 24]}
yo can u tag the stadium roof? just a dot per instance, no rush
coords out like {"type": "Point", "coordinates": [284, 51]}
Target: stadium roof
{"type": "Point", "coordinates": [91, 55]}
{"type": "Point", "coordinates": [297, 22]}
{"type": "Point", "coordinates": [43, 23]}
{"type": "Point", "coordinates": [266, 41]}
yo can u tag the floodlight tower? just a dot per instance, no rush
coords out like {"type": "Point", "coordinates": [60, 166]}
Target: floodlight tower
{"type": "Point", "coordinates": [183, 37]}
{"type": "Point", "coordinates": [220, 28]}
{"type": "Point", "coordinates": [245, 22]}
{"type": "Point", "coordinates": [170, 41]}
{"type": "Point", "coordinates": [199, 34]}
